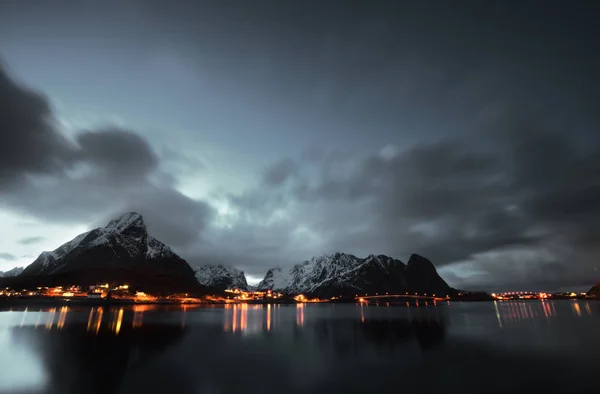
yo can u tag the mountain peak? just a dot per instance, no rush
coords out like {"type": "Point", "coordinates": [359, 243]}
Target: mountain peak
{"type": "Point", "coordinates": [221, 276]}
{"type": "Point", "coordinates": [121, 251]}
{"type": "Point", "coordinates": [342, 273]}
{"type": "Point", "coordinates": [416, 260]}
{"type": "Point", "coordinates": [125, 221]}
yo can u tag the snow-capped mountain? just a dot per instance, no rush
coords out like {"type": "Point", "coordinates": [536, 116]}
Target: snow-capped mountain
{"type": "Point", "coordinates": [121, 250]}
{"type": "Point", "coordinates": [275, 279]}
{"type": "Point", "coordinates": [345, 274]}
{"type": "Point", "coordinates": [12, 272]}
{"type": "Point", "coordinates": [221, 277]}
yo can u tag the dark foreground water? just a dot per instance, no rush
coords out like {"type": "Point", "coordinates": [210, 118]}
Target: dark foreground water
{"type": "Point", "coordinates": [505, 347]}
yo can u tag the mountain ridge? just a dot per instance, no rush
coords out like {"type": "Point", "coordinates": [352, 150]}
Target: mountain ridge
{"type": "Point", "coordinates": [121, 251]}
{"type": "Point", "coordinates": [345, 274]}
{"type": "Point", "coordinates": [221, 277]}
{"type": "Point", "coordinates": [124, 251]}
{"type": "Point", "coordinates": [16, 271]}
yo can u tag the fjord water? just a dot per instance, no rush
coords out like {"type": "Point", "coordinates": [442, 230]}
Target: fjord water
{"type": "Point", "coordinates": [503, 347]}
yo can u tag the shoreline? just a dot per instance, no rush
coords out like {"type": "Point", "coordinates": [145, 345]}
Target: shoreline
{"type": "Point", "coordinates": [56, 301]}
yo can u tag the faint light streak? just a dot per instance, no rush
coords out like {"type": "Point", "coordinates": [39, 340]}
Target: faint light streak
{"type": "Point", "coordinates": [62, 317]}
{"type": "Point", "coordinates": [362, 313]}
{"type": "Point", "coordinates": [576, 308]}
{"type": "Point", "coordinates": [138, 316]}
{"type": "Point", "coordinates": [226, 322]}
{"type": "Point", "coordinates": [546, 309]}
{"type": "Point", "coordinates": [498, 314]}
{"type": "Point", "coordinates": [588, 309]}
{"type": "Point", "coordinates": [37, 322]}
{"type": "Point", "coordinates": [50, 320]}
{"type": "Point", "coordinates": [99, 319]}
{"type": "Point", "coordinates": [90, 319]}
{"type": "Point", "coordinates": [23, 319]}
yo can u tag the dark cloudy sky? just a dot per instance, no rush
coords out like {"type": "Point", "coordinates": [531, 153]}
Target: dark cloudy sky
{"type": "Point", "coordinates": [261, 133]}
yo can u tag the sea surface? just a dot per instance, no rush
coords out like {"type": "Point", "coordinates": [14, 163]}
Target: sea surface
{"type": "Point", "coordinates": [478, 347]}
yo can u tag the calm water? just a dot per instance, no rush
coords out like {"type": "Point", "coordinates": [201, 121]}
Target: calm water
{"type": "Point", "coordinates": [504, 347]}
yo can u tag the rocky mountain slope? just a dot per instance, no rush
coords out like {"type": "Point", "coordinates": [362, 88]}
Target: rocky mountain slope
{"type": "Point", "coordinates": [345, 274]}
{"type": "Point", "coordinates": [122, 251]}
{"type": "Point", "coordinates": [12, 272]}
{"type": "Point", "coordinates": [221, 277]}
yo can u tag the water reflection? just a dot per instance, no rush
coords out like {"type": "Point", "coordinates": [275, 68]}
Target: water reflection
{"type": "Point", "coordinates": [79, 363]}
{"type": "Point", "coordinates": [576, 309]}
{"type": "Point", "coordinates": [50, 319]}
{"type": "Point", "coordinates": [519, 312]}
{"type": "Point", "coordinates": [308, 348]}
{"type": "Point", "coordinates": [110, 350]}
{"type": "Point", "coordinates": [62, 317]}
{"type": "Point", "coordinates": [95, 320]}
{"type": "Point", "coordinates": [248, 319]}
{"type": "Point", "coordinates": [588, 309]}
{"type": "Point", "coordinates": [362, 312]}
{"type": "Point", "coordinates": [300, 314]}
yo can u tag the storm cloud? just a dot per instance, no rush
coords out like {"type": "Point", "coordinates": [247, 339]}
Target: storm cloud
{"type": "Point", "coordinates": [7, 256]}
{"type": "Point", "coordinates": [262, 134]}
{"type": "Point", "coordinates": [522, 199]}
{"type": "Point", "coordinates": [30, 144]}
{"type": "Point", "coordinates": [91, 178]}
{"type": "Point", "coordinates": [31, 240]}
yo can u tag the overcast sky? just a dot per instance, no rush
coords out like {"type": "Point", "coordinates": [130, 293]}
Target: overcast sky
{"type": "Point", "coordinates": [262, 133]}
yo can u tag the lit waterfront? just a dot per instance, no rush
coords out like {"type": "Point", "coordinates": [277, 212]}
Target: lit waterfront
{"type": "Point", "coordinates": [307, 346]}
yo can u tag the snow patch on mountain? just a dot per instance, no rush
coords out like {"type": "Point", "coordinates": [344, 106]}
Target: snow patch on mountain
{"type": "Point", "coordinates": [125, 221]}
{"type": "Point", "coordinates": [306, 277]}
{"type": "Point", "coordinates": [275, 279]}
{"type": "Point", "coordinates": [221, 277]}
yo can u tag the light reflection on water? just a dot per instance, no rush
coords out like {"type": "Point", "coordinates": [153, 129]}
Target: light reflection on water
{"type": "Point", "coordinates": [519, 312]}
{"type": "Point", "coordinates": [301, 348]}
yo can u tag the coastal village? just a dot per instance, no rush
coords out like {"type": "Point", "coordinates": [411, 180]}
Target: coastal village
{"type": "Point", "coordinates": [122, 293]}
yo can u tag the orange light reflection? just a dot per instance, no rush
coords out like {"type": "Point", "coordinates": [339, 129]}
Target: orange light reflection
{"type": "Point", "coordinates": [99, 319]}
{"type": "Point", "coordinates": [50, 320]}
{"type": "Point", "coordinates": [119, 321]}
{"type": "Point", "coordinates": [62, 317]}
{"type": "Point", "coordinates": [300, 315]}
{"type": "Point", "coordinates": [362, 313]}
{"type": "Point", "coordinates": [268, 317]}
{"type": "Point", "coordinates": [234, 320]}
{"type": "Point", "coordinates": [90, 318]}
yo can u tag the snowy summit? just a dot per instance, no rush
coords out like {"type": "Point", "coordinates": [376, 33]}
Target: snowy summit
{"type": "Point", "coordinates": [123, 250]}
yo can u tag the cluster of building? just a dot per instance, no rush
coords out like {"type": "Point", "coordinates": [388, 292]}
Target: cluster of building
{"type": "Point", "coordinates": [242, 295]}
{"type": "Point", "coordinates": [302, 299]}
{"type": "Point", "coordinates": [529, 295]}
{"type": "Point", "coordinates": [58, 291]}
{"type": "Point", "coordinates": [98, 291]}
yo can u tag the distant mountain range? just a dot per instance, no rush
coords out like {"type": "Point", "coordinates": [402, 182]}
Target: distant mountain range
{"type": "Point", "coordinates": [12, 272]}
{"type": "Point", "coordinates": [123, 251]}
{"type": "Point", "coordinates": [345, 274]}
